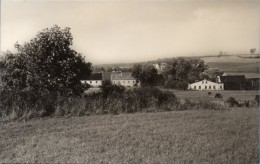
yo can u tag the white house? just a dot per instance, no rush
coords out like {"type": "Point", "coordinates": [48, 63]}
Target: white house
{"type": "Point", "coordinates": [159, 66]}
{"type": "Point", "coordinates": [94, 80]}
{"type": "Point", "coordinates": [206, 85]}
{"type": "Point", "coordinates": [125, 79]}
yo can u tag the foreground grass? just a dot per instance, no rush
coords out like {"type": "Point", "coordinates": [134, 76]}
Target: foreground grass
{"type": "Point", "coordinates": [166, 137]}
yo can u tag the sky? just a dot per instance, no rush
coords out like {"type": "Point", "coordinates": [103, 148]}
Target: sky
{"type": "Point", "coordinates": [130, 31]}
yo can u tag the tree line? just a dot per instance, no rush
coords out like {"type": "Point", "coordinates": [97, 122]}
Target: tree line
{"type": "Point", "coordinates": [176, 74]}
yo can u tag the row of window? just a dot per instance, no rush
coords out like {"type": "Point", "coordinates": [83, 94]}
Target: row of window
{"type": "Point", "coordinates": [93, 82]}
{"type": "Point", "coordinates": [206, 87]}
{"type": "Point", "coordinates": [113, 82]}
{"type": "Point", "coordinates": [124, 82]}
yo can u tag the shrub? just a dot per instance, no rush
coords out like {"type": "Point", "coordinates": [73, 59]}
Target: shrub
{"type": "Point", "coordinates": [26, 104]}
{"type": "Point", "coordinates": [257, 99]}
{"type": "Point", "coordinates": [218, 95]}
{"type": "Point", "coordinates": [232, 102]}
{"type": "Point", "coordinates": [108, 88]}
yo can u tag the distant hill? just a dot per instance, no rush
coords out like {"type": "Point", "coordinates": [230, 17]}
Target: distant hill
{"type": "Point", "coordinates": [227, 63]}
{"type": "Point", "coordinates": [233, 63]}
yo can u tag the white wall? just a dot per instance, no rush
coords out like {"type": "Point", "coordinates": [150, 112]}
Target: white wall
{"type": "Point", "coordinates": [93, 83]}
{"type": "Point", "coordinates": [206, 85]}
{"type": "Point", "coordinates": [126, 83]}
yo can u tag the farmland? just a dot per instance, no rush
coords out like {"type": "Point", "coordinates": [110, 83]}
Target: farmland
{"type": "Point", "coordinates": [199, 136]}
{"type": "Point", "coordinates": [203, 95]}
{"type": "Point", "coordinates": [233, 64]}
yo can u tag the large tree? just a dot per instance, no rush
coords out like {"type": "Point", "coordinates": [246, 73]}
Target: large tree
{"type": "Point", "coordinates": [47, 63]}
{"type": "Point", "coordinates": [252, 50]}
{"type": "Point", "coordinates": [179, 72]}
{"type": "Point", "coordinates": [145, 74]}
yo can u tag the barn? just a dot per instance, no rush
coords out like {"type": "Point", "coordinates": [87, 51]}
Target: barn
{"type": "Point", "coordinates": [206, 85]}
{"type": "Point", "coordinates": [233, 81]}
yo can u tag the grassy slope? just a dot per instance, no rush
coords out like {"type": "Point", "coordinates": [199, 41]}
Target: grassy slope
{"type": "Point", "coordinates": [203, 95]}
{"type": "Point", "coordinates": [233, 64]}
{"type": "Point", "coordinates": [184, 136]}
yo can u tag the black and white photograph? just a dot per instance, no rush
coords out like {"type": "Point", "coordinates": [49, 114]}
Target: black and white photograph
{"type": "Point", "coordinates": [129, 81]}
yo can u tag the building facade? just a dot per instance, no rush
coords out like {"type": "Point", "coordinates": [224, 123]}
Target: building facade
{"type": "Point", "coordinates": [234, 82]}
{"type": "Point", "coordinates": [94, 80]}
{"type": "Point", "coordinates": [124, 79]}
{"type": "Point", "coordinates": [206, 85]}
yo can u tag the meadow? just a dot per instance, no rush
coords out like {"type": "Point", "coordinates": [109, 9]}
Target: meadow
{"type": "Point", "coordinates": [224, 136]}
{"type": "Point", "coordinates": [233, 64]}
{"type": "Point", "coordinates": [203, 95]}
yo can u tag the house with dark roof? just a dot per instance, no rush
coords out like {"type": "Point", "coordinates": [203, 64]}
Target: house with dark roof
{"type": "Point", "coordinates": [126, 79]}
{"type": "Point", "coordinates": [160, 67]}
{"type": "Point", "coordinates": [94, 80]}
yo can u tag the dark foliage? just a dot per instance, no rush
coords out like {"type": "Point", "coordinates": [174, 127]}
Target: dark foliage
{"type": "Point", "coordinates": [108, 88]}
{"type": "Point", "coordinates": [232, 102]}
{"type": "Point", "coordinates": [47, 63]}
{"type": "Point", "coordinates": [257, 99]}
{"type": "Point", "coordinates": [218, 95]}
{"type": "Point", "coordinates": [145, 74]}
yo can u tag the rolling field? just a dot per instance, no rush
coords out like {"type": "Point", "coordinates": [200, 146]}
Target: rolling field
{"type": "Point", "coordinates": [229, 136]}
{"type": "Point", "coordinates": [233, 64]}
{"type": "Point", "coordinates": [203, 95]}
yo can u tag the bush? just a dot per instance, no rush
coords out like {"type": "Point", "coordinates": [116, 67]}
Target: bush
{"type": "Point", "coordinates": [26, 104]}
{"type": "Point", "coordinates": [218, 95]}
{"type": "Point", "coordinates": [130, 101]}
{"type": "Point", "coordinates": [108, 88]}
{"type": "Point", "coordinates": [232, 102]}
{"type": "Point", "coordinates": [186, 104]}
{"type": "Point", "coordinates": [257, 99]}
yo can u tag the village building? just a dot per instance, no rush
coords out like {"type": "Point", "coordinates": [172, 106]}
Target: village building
{"type": "Point", "coordinates": [94, 80]}
{"type": "Point", "coordinates": [124, 79]}
{"type": "Point", "coordinates": [240, 81]}
{"type": "Point", "coordinates": [159, 67]}
{"type": "Point", "coordinates": [233, 81]}
{"type": "Point", "coordinates": [206, 85]}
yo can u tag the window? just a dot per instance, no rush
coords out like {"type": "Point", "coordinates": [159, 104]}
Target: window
{"type": "Point", "coordinates": [205, 87]}
{"type": "Point", "coordinates": [199, 87]}
{"type": "Point", "coordinates": [90, 82]}
{"type": "Point", "coordinates": [206, 81]}
{"type": "Point", "coordinates": [214, 87]}
{"type": "Point", "coordinates": [133, 81]}
{"type": "Point", "coordinates": [202, 82]}
{"type": "Point", "coordinates": [209, 87]}
{"type": "Point", "coordinates": [220, 87]}
{"type": "Point", "coordinates": [96, 82]}
{"type": "Point", "coordinates": [128, 81]}
{"type": "Point", "coordinates": [194, 87]}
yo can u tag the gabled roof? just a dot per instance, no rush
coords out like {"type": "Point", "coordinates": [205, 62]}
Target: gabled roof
{"type": "Point", "coordinates": [247, 75]}
{"type": "Point", "coordinates": [94, 76]}
{"type": "Point", "coordinates": [106, 75]}
{"type": "Point", "coordinates": [206, 82]}
{"type": "Point", "coordinates": [234, 78]}
{"type": "Point", "coordinates": [122, 76]}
